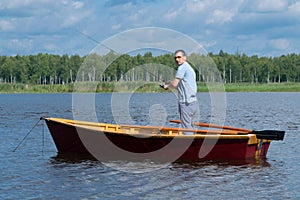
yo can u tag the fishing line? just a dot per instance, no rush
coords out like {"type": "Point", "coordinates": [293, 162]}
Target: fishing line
{"type": "Point", "coordinates": [26, 135]}
{"type": "Point", "coordinates": [43, 136]}
{"type": "Point", "coordinates": [96, 41]}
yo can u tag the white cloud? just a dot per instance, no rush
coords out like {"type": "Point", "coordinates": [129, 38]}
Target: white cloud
{"type": "Point", "coordinates": [171, 15]}
{"type": "Point", "coordinates": [12, 4]}
{"type": "Point", "coordinates": [197, 6]}
{"type": "Point", "coordinates": [20, 44]}
{"type": "Point", "coordinates": [6, 25]}
{"type": "Point", "coordinates": [77, 4]}
{"type": "Point", "coordinates": [271, 5]}
{"type": "Point", "coordinates": [295, 8]}
{"type": "Point", "coordinates": [218, 24]}
{"type": "Point", "coordinates": [220, 17]}
{"type": "Point", "coordinates": [116, 26]}
{"type": "Point", "coordinates": [76, 17]}
{"type": "Point", "coordinates": [38, 13]}
{"type": "Point", "coordinates": [280, 44]}
{"type": "Point", "coordinates": [265, 5]}
{"type": "Point", "coordinates": [50, 47]}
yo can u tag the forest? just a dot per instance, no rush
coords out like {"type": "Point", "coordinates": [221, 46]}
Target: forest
{"type": "Point", "coordinates": [49, 69]}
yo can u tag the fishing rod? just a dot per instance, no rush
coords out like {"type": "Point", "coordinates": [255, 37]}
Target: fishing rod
{"type": "Point", "coordinates": [96, 41]}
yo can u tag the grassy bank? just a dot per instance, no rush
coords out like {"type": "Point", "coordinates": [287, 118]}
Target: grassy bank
{"type": "Point", "coordinates": [270, 87]}
{"type": "Point", "coordinates": [25, 88]}
{"type": "Point", "coordinates": [142, 87]}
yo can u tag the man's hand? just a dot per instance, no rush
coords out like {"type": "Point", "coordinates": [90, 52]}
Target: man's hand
{"type": "Point", "coordinates": [164, 86]}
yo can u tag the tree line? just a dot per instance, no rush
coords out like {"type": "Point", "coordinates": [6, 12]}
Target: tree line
{"type": "Point", "coordinates": [64, 69]}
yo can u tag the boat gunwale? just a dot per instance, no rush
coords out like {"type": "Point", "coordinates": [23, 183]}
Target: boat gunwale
{"type": "Point", "coordinates": [120, 129]}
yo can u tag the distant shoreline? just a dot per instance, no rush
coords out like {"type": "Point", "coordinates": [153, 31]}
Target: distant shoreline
{"type": "Point", "coordinates": [7, 88]}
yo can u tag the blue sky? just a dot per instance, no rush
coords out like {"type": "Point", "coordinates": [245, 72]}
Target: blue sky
{"type": "Point", "coordinates": [253, 27]}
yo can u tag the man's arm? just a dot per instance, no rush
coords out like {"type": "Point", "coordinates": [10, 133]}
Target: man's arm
{"type": "Point", "coordinates": [172, 84]}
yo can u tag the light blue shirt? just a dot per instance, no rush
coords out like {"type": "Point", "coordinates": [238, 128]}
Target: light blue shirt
{"type": "Point", "coordinates": [187, 86]}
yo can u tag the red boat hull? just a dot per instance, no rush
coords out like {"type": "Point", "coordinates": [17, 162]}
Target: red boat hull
{"type": "Point", "coordinates": [98, 143]}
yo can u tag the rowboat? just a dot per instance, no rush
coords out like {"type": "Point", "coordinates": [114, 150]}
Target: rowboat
{"type": "Point", "coordinates": [106, 141]}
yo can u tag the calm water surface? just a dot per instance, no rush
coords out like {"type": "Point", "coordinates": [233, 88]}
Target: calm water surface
{"type": "Point", "coordinates": [35, 171]}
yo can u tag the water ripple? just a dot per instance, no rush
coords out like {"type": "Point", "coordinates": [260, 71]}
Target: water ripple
{"type": "Point", "coordinates": [36, 171]}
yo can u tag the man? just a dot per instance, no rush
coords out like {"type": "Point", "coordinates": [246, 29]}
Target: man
{"type": "Point", "coordinates": [185, 83]}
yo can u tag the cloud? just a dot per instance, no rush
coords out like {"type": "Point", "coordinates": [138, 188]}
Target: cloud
{"type": "Point", "coordinates": [280, 44]}
{"type": "Point", "coordinates": [6, 25]}
{"type": "Point", "coordinates": [253, 25]}
{"type": "Point", "coordinates": [77, 4]}
{"type": "Point", "coordinates": [17, 43]}
{"type": "Point", "coordinates": [295, 8]}
{"type": "Point", "coordinates": [265, 5]}
{"type": "Point", "coordinates": [36, 16]}
{"type": "Point", "coordinates": [220, 17]}
{"type": "Point", "coordinates": [28, 8]}
{"type": "Point", "coordinates": [196, 6]}
{"type": "Point", "coordinates": [270, 5]}
{"type": "Point", "coordinates": [111, 3]}
{"type": "Point", "coordinates": [38, 26]}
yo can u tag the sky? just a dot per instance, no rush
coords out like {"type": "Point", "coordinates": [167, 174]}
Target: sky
{"type": "Point", "coordinates": [252, 27]}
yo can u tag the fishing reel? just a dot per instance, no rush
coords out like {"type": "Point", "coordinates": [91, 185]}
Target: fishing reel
{"type": "Point", "coordinates": [162, 85]}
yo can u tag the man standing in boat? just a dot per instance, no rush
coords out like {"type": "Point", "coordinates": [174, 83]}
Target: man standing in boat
{"type": "Point", "coordinates": [185, 83]}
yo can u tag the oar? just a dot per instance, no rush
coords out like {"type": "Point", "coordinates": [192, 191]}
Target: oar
{"type": "Point", "coordinates": [215, 126]}
{"type": "Point", "coordinates": [265, 134]}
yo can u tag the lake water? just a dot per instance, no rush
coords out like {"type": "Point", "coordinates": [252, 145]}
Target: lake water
{"type": "Point", "coordinates": [35, 171]}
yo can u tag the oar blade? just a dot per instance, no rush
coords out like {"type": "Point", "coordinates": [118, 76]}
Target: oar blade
{"type": "Point", "coordinates": [269, 134]}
